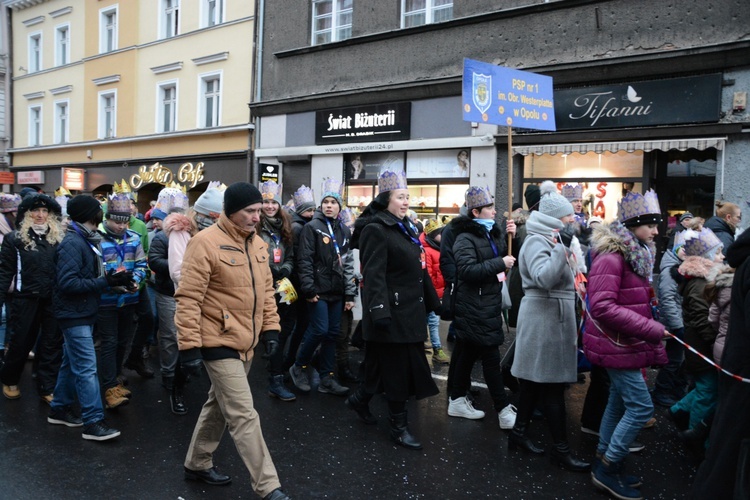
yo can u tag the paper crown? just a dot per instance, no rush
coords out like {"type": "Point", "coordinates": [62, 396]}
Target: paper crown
{"type": "Point", "coordinates": [217, 185]}
{"type": "Point", "coordinates": [270, 190]}
{"type": "Point", "coordinates": [118, 207]}
{"type": "Point", "coordinates": [636, 209]}
{"type": "Point", "coordinates": [171, 198]}
{"type": "Point", "coordinates": [286, 291]}
{"type": "Point", "coordinates": [304, 195]}
{"type": "Point", "coordinates": [572, 192]}
{"type": "Point", "coordinates": [9, 202]}
{"type": "Point", "coordinates": [432, 225]}
{"type": "Point", "coordinates": [124, 188]}
{"type": "Point", "coordinates": [700, 243]}
{"type": "Point", "coordinates": [62, 200]}
{"type": "Point", "coordinates": [478, 197]}
{"type": "Point", "coordinates": [332, 187]}
{"type": "Point", "coordinates": [388, 180]}
{"type": "Point", "coordinates": [61, 191]}
{"type": "Point", "coordinates": [348, 217]}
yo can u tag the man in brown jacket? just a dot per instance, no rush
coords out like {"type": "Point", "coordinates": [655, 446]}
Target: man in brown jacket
{"type": "Point", "coordinates": [225, 306]}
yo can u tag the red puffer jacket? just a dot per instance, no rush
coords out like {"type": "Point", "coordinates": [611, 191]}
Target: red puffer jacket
{"type": "Point", "coordinates": [432, 255]}
{"type": "Point", "coordinates": [620, 330]}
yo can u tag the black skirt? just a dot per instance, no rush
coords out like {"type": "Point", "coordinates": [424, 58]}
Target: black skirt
{"type": "Point", "coordinates": [398, 370]}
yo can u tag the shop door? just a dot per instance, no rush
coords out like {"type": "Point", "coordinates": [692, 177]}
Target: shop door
{"type": "Point", "coordinates": [293, 175]}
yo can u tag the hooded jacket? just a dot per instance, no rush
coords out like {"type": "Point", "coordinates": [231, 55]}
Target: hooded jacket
{"type": "Point", "coordinates": [720, 279]}
{"type": "Point", "coordinates": [698, 330]}
{"type": "Point", "coordinates": [722, 230]}
{"type": "Point", "coordinates": [621, 332]}
{"type": "Point", "coordinates": [226, 295]}
{"type": "Point", "coordinates": [670, 300]}
{"type": "Point", "coordinates": [432, 254]}
{"type": "Point", "coordinates": [271, 234]}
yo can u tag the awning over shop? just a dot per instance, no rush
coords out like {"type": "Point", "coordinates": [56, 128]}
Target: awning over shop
{"type": "Point", "coordinates": [629, 146]}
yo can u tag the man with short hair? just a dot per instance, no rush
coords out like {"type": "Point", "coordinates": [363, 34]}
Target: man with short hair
{"type": "Point", "coordinates": [225, 306]}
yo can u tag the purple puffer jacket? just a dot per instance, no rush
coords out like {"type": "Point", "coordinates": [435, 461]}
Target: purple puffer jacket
{"type": "Point", "coordinates": [619, 295]}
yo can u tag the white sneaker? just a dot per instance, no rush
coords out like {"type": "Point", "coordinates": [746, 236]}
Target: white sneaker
{"type": "Point", "coordinates": [462, 407]}
{"type": "Point", "coordinates": [507, 417]}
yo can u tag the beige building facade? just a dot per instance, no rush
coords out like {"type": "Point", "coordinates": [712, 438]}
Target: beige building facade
{"type": "Point", "coordinates": [149, 91]}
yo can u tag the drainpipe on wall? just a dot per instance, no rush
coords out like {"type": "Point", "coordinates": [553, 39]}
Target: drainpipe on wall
{"type": "Point", "coordinates": [257, 82]}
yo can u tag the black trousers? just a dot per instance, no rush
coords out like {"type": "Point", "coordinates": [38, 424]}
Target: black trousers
{"type": "Point", "coordinates": [470, 353]}
{"type": "Point", "coordinates": [31, 319]}
{"type": "Point", "coordinates": [596, 398]}
{"type": "Point", "coordinates": [287, 316]}
{"type": "Point", "coordinates": [302, 319]}
{"type": "Point", "coordinates": [532, 394]}
{"type": "Point", "coordinates": [145, 324]}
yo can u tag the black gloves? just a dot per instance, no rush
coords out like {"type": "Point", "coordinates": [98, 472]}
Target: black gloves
{"type": "Point", "coordinates": [271, 342]}
{"type": "Point", "coordinates": [191, 361]}
{"type": "Point", "coordinates": [382, 323]}
{"type": "Point", "coordinates": [121, 278]}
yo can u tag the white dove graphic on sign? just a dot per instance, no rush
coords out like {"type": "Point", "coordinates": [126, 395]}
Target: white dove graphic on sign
{"type": "Point", "coordinates": [633, 95]}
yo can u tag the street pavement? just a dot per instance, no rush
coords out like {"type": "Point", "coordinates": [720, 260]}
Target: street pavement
{"type": "Point", "coordinates": [320, 448]}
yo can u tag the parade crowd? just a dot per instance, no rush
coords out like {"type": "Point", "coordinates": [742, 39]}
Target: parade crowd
{"type": "Point", "coordinates": [91, 285]}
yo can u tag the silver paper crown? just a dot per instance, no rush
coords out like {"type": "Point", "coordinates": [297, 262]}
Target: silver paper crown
{"type": "Point", "coordinates": [348, 217]}
{"type": "Point", "coordinates": [9, 202]}
{"type": "Point", "coordinates": [572, 192]}
{"type": "Point", "coordinates": [332, 187]}
{"type": "Point", "coordinates": [270, 190]}
{"type": "Point", "coordinates": [388, 180]}
{"type": "Point", "coordinates": [217, 185]}
{"type": "Point", "coordinates": [303, 195]}
{"type": "Point", "coordinates": [171, 198]}
{"type": "Point", "coordinates": [700, 242]}
{"type": "Point", "coordinates": [118, 204]}
{"type": "Point", "coordinates": [478, 197]}
{"type": "Point", "coordinates": [636, 207]}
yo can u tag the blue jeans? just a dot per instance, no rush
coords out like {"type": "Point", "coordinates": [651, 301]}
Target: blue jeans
{"type": "Point", "coordinates": [701, 401]}
{"type": "Point", "coordinates": [433, 323]}
{"type": "Point", "coordinates": [628, 409]}
{"type": "Point", "coordinates": [78, 374]}
{"type": "Point", "coordinates": [322, 330]}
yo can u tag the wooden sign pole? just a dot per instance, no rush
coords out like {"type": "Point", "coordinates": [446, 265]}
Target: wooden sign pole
{"type": "Point", "coordinates": [510, 183]}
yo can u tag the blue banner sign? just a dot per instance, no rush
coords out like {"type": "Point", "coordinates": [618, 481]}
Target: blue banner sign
{"type": "Point", "coordinates": [508, 97]}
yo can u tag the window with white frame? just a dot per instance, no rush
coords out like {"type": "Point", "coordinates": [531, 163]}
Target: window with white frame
{"type": "Point", "coordinates": [62, 121]}
{"type": "Point", "coordinates": [210, 105]}
{"type": "Point", "coordinates": [419, 12]}
{"type": "Point", "coordinates": [170, 18]}
{"type": "Point", "coordinates": [332, 21]}
{"type": "Point", "coordinates": [35, 125]}
{"type": "Point", "coordinates": [35, 52]}
{"type": "Point", "coordinates": [62, 45]}
{"type": "Point", "coordinates": [107, 114]}
{"type": "Point", "coordinates": [213, 12]}
{"type": "Point", "coordinates": [166, 113]}
{"type": "Point", "coordinates": [108, 37]}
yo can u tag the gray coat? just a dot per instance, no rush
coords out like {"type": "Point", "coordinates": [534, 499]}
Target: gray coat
{"type": "Point", "coordinates": [546, 336]}
{"type": "Point", "coordinates": [670, 300]}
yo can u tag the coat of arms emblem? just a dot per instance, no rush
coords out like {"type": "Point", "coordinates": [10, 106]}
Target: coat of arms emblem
{"type": "Point", "coordinates": [482, 91]}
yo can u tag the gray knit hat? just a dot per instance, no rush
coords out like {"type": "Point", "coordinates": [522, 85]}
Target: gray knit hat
{"type": "Point", "coordinates": [554, 204]}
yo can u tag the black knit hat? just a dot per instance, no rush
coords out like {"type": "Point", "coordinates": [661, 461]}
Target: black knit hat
{"type": "Point", "coordinates": [83, 208]}
{"type": "Point", "coordinates": [532, 196]}
{"type": "Point", "coordinates": [240, 195]}
{"type": "Point", "coordinates": [32, 201]}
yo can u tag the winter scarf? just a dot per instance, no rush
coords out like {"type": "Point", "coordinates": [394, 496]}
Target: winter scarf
{"type": "Point", "coordinates": [616, 238]}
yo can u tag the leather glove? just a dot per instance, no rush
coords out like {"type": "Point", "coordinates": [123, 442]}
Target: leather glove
{"type": "Point", "coordinates": [122, 278]}
{"type": "Point", "coordinates": [191, 361]}
{"type": "Point", "coordinates": [382, 323]}
{"type": "Point", "coordinates": [271, 343]}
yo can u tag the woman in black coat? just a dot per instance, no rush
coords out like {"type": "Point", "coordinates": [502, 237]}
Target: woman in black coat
{"type": "Point", "coordinates": [396, 294]}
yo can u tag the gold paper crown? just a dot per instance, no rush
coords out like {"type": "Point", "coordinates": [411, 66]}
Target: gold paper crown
{"type": "Point", "coordinates": [303, 195]}
{"type": "Point", "coordinates": [700, 243]}
{"type": "Point", "coordinates": [61, 191]}
{"type": "Point", "coordinates": [432, 225]}
{"type": "Point", "coordinates": [636, 208]}
{"type": "Point", "coordinates": [217, 185]}
{"type": "Point", "coordinates": [478, 197]}
{"type": "Point", "coordinates": [388, 180]}
{"type": "Point", "coordinates": [124, 188]}
{"type": "Point", "coordinates": [286, 291]}
{"type": "Point", "coordinates": [572, 192]}
{"type": "Point", "coordinates": [270, 190]}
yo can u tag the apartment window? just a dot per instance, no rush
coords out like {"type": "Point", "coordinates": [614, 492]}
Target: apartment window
{"type": "Point", "coordinates": [213, 12]}
{"type": "Point", "coordinates": [35, 52]}
{"type": "Point", "coordinates": [35, 126]}
{"type": "Point", "coordinates": [332, 21]}
{"type": "Point", "coordinates": [419, 12]}
{"type": "Point", "coordinates": [170, 18]}
{"type": "Point", "coordinates": [167, 107]}
{"type": "Point", "coordinates": [62, 45]}
{"type": "Point", "coordinates": [107, 114]}
{"type": "Point", "coordinates": [210, 108]}
{"type": "Point", "coordinates": [108, 29]}
{"type": "Point", "coordinates": [62, 122]}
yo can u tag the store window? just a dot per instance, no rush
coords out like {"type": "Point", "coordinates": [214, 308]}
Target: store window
{"type": "Point", "coordinates": [686, 182]}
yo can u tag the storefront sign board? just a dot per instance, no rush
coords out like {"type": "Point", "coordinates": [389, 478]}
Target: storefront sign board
{"type": "Point", "coordinates": [73, 179]}
{"type": "Point", "coordinates": [31, 177]}
{"type": "Point", "coordinates": [508, 97]}
{"type": "Point", "coordinates": [187, 174]}
{"type": "Point", "coordinates": [381, 122]}
{"type": "Point", "coordinates": [269, 172]}
{"type": "Point", "coordinates": [7, 178]}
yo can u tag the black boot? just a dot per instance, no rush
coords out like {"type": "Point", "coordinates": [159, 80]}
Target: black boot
{"type": "Point", "coordinates": [359, 401]}
{"type": "Point", "coordinates": [695, 438]}
{"type": "Point", "coordinates": [346, 374]}
{"type": "Point", "coordinates": [400, 432]}
{"type": "Point", "coordinates": [177, 400]}
{"type": "Point", "coordinates": [518, 439]}
{"type": "Point", "coordinates": [136, 363]}
{"type": "Point", "coordinates": [560, 452]}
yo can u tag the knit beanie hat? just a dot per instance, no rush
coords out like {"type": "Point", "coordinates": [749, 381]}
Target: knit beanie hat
{"type": "Point", "coordinates": [553, 204]}
{"type": "Point", "coordinates": [532, 196]}
{"type": "Point", "coordinates": [83, 208]}
{"type": "Point", "coordinates": [210, 202]}
{"type": "Point", "coordinates": [240, 195]}
{"type": "Point", "coordinates": [303, 199]}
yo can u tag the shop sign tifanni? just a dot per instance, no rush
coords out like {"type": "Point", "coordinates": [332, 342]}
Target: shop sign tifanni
{"type": "Point", "coordinates": [188, 174]}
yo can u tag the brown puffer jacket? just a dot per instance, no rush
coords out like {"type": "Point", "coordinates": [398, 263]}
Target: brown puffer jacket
{"type": "Point", "coordinates": [225, 297]}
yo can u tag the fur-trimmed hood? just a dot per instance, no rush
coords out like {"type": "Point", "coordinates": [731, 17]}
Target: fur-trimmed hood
{"type": "Point", "coordinates": [616, 238]}
{"type": "Point", "coordinates": [721, 276]}
{"type": "Point", "coordinates": [177, 222]}
{"type": "Point", "coordinates": [697, 267]}
{"type": "Point", "coordinates": [469, 225]}
{"type": "Point", "coordinates": [520, 217]}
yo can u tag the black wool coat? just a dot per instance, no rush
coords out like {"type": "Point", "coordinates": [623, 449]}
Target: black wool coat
{"type": "Point", "coordinates": [478, 295]}
{"type": "Point", "coordinates": [395, 284]}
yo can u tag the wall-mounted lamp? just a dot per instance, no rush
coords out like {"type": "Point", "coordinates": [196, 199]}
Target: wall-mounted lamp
{"type": "Point", "coordinates": [89, 154]}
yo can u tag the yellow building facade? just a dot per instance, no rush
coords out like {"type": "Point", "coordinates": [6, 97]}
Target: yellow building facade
{"type": "Point", "coordinates": [141, 90]}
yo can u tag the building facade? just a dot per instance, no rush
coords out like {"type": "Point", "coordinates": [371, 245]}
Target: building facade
{"type": "Point", "coordinates": [147, 91]}
{"type": "Point", "coordinates": [648, 94]}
